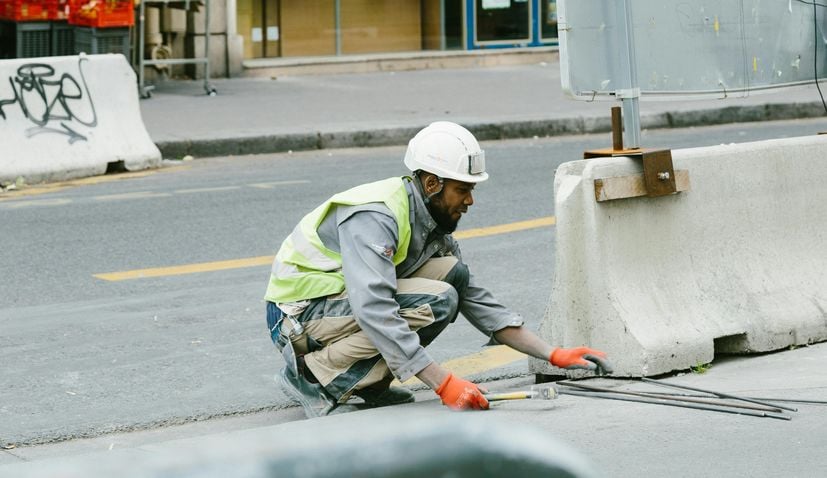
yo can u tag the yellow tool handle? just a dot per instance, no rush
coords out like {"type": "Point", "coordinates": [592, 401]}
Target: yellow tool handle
{"type": "Point", "coordinates": [495, 397]}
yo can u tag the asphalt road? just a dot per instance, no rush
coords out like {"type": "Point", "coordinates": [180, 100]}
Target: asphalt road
{"type": "Point", "coordinates": [84, 356]}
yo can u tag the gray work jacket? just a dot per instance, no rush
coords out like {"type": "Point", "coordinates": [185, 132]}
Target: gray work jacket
{"type": "Point", "coordinates": [361, 234]}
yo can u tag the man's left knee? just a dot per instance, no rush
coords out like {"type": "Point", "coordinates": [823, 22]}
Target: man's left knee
{"type": "Point", "coordinates": [458, 277]}
{"type": "Point", "coordinates": [446, 307]}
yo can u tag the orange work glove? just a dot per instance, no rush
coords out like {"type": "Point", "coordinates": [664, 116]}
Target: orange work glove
{"type": "Point", "coordinates": [459, 394]}
{"type": "Point", "coordinates": [580, 358]}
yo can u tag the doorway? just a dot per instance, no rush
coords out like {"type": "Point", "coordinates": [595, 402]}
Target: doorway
{"type": "Point", "coordinates": [259, 25]}
{"type": "Point", "coordinates": [443, 24]}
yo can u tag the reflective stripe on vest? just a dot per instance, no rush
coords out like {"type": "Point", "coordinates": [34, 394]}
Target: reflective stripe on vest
{"type": "Point", "coordinates": [305, 269]}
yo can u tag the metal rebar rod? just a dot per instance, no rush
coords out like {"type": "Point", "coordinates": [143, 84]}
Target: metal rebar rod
{"type": "Point", "coordinates": [704, 400]}
{"type": "Point", "coordinates": [722, 395]}
{"type": "Point", "coordinates": [609, 396]}
{"type": "Point", "coordinates": [792, 400]}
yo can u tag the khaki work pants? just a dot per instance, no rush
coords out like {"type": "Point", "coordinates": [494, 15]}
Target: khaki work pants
{"type": "Point", "coordinates": [339, 353]}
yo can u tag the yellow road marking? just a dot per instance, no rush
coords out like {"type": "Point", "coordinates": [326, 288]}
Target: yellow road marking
{"type": "Point", "coordinates": [59, 186]}
{"type": "Point", "coordinates": [56, 187]}
{"type": "Point", "coordinates": [38, 202]}
{"type": "Point", "coordinates": [490, 358]}
{"type": "Point", "coordinates": [135, 195]}
{"type": "Point", "coordinates": [504, 228]}
{"type": "Point", "coordinates": [186, 269]}
{"type": "Point", "coordinates": [267, 260]}
{"type": "Point", "coordinates": [273, 184]}
{"type": "Point", "coordinates": [206, 190]}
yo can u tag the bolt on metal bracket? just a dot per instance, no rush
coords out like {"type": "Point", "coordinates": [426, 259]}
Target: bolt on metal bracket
{"type": "Point", "coordinates": [659, 175]}
{"type": "Point", "coordinates": [658, 172]}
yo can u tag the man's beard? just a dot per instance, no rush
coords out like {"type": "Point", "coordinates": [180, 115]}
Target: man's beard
{"type": "Point", "coordinates": [445, 223]}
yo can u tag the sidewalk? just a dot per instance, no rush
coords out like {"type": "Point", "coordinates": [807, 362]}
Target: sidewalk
{"type": "Point", "coordinates": [262, 115]}
{"type": "Point", "coordinates": [617, 438]}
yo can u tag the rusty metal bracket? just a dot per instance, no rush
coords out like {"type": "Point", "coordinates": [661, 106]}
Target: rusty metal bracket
{"type": "Point", "coordinates": [659, 175]}
{"type": "Point", "coordinates": [658, 172]}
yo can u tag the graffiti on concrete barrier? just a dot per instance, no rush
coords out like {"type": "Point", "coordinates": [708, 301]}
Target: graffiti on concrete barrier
{"type": "Point", "coordinates": [54, 104]}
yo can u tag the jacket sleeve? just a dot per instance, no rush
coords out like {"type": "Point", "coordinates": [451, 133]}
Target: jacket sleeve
{"type": "Point", "coordinates": [368, 241]}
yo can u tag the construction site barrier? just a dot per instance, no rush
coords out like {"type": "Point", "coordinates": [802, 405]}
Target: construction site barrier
{"type": "Point", "coordinates": [70, 116]}
{"type": "Point", "coordinates": [734, 264]}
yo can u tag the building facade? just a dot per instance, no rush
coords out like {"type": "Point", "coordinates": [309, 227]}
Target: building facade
{"type": "Point", "coordinates": [298, 28]}
{"type": "Point", "coordinates": [253, 31]}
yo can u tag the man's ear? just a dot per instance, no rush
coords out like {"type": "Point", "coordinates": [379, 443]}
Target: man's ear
{"type": "Point", "coordinates": [430, 183]}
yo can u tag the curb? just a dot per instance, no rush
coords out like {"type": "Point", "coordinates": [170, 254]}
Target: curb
{"type": "Point", "coordinates": [280, 143]}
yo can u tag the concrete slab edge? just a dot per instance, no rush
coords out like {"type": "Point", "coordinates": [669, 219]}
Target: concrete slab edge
{"type": "Point", "coordinates": [281, 143]}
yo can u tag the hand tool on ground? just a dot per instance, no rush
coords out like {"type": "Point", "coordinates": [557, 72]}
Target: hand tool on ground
{"type": "Point", "coordinates": [719, 394]}
{"type": "Point", "coordinates": [536, 392]}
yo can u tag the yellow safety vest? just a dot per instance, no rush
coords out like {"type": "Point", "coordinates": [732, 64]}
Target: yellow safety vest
{"type": "Point", "coordinates": [305, 269]}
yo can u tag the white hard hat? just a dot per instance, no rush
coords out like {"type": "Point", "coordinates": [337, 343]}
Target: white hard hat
{"type": "Point", "coordinates": [447, 150]}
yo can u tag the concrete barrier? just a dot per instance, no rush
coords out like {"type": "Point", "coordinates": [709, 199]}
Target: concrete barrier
{"type": "Point", "coordinates": [736, 264]}
{"type": "Point", "coordinates": [71, 116]}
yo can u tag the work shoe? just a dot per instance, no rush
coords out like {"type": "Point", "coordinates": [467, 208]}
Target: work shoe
{"type": "Point", "coordinates": [384, 397]}
{"type": "Point", "coordinates": [312, 396]}
{"type": "Point", "coordinates": [344, 408]}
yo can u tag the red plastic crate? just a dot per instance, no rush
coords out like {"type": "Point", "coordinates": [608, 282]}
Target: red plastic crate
{"type": "Point", "coordinates": [27, 10]}
{"type": "Point", "coordinates": [102, 13]}
{"type": "Point", "coordinates": [61, 10]}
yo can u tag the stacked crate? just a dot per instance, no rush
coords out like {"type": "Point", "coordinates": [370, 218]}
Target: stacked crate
{"type": "Point", "coordinates": [102, 26]}
{"type": "Point", "coordinates": [63, 34]}
{"type": "Point", "coordinates": [25, 30]}
{"type": "Point", "coordinates": [33, 28]}
{"type": "Point", "coordinates": [28, 10]}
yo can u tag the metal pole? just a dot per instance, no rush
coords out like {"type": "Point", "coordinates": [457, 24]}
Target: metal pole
{"type": "Point", "coordinates": [629, 92]}
{"type": "Point", "coordinates": [141, 27]}
{"type": "Point", "coordinates": [443, 44]}
{"type": "Point", "coordinates": [722, 395]}
{"type": "Point", "coordinates": [338, 27]}
{"type": "Point", "coordinates": [207, 47]}
{"type": "Point", "coordinates": [230, 26]}
{"type": "Point", "coordinates": [617, 129]}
